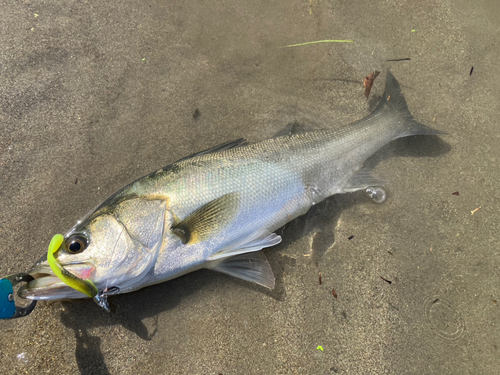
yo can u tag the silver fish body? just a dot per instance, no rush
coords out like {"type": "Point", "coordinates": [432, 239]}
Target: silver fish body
{"type": "Point", "coordinates": [218, 208]}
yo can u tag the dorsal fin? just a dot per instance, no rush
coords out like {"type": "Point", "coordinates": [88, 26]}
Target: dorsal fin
{"type": "Point", "coordinates": [119, 196]}
{"type": "Point", "coordinates": [222, 147]}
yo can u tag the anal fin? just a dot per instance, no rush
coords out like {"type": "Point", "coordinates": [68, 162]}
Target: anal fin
{"type": "Point", "coordinates": [362, 180]}
{"type": "Point", "coordinates": [253, 267]}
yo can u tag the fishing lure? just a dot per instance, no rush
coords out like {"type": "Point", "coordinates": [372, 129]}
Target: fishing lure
{"type": "Point", "coordinates": [86, 287]}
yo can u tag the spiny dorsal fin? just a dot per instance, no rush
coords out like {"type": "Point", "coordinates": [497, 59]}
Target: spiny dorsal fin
{"type": "Point", "coordinates": [218, 148]}
{"type": "Point", "coordinates": [294, 128]}
{"type": "Point", "coordinates": [207, 219]}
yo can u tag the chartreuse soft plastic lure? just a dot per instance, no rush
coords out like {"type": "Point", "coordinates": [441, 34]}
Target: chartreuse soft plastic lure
{"type": "Point", "coordinates": [86, 287]}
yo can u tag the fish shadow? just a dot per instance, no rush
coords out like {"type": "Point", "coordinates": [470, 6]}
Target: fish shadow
{"type": "Point", "coordinates": [416, 146]}
{"type": "Point", "coordinates": [138, 311]}
{"type": "Point", "coordinates": [132, 309]}
{"type": "Point", "coordinates": [89, 357]}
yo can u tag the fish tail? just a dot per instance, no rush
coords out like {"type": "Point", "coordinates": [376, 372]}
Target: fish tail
{"type": "Point", "coordinates": [393, 105]}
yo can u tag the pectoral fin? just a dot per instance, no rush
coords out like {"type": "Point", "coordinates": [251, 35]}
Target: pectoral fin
{"type": "Point", "coordinates": [208, 219]}
{"type": "Point", "coordinates": [252, 267]}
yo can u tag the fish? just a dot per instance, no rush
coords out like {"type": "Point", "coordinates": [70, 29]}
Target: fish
{"type": "Point", "coordinates": [217, 209]}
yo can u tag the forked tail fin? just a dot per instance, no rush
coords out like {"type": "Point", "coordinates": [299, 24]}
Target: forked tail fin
{"type": "Point", "coordinates": [393, 105]}
{"type": "Point", "coordinates": [390, 120]}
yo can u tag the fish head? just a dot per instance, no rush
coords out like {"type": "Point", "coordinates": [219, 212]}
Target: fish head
{"type": "Point", "coordinates": [114, 247]}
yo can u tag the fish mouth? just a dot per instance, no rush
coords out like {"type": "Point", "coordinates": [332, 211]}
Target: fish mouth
{"type": "Point", "coordinates": [47, 286]}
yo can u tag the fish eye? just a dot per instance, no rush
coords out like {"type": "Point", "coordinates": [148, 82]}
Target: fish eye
{"type": "Point", "coordinates": [76, 244]}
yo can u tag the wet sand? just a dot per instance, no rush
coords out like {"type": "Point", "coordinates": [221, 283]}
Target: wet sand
{"type": "Point", "coordinates": [94, 95]}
